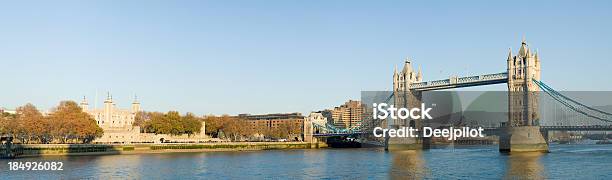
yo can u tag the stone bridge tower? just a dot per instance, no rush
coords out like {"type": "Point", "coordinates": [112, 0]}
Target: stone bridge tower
{"type": "Point", "coordinates": [522, 131]}
{"type": "Point", "coordinates": [523, 93]}
{"type": "Point", "coordinates": [403, 96]}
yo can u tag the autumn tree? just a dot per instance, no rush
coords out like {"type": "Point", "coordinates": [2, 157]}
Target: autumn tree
{"type": "Point", "coordinates": [147, 117]}
{"type": "Point", "coordinates": [5, 120]}
{"type": "Point", "coordinates": [191, 124]}
{"type": "Point", "coordinates": [214, 124]}
{"type": "Point", "coordinates": [140, 118]}
{"type": "Point", "coordinates": [31, 124]}
{"type": "Point", "coordinates": [173, 123]}
{"type": "Point", "coordinates": [232, 127]}
{"type": "Point", "coordinates": [69, 122]}
{"type": "Point", "coordinates": [8, 125]}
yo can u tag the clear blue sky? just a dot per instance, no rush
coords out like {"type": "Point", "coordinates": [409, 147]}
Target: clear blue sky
{"type": "Point", "coordinates": [216, 57]}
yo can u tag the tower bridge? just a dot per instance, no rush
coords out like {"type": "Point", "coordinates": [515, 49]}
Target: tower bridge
{"type": "Point", "coordinates": [522, 130]}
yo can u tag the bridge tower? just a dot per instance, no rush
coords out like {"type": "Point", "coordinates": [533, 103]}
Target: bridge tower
{"type": "Point", "coordinates": [308, 130]}
{"type": "Point", "coordinates": [523, 92]}
{"type": "Point", "coordinates": [405, 98]}
{"type": "Point", "coordinates": [522, 128]}
{"type": "Point", "coordinates": [308, 134]}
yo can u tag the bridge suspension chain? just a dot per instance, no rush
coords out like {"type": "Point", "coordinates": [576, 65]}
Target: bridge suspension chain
{"type": "Point", "coordinates": [569, 99]}
{"type": "Point", "coordinates": [568, 102]}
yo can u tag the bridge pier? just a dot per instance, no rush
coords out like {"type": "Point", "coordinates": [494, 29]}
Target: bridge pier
{"type": "Point", "coordinates": [522, 139]}
{"type": "Point", "coordinates": [407, 143]}
{"type": "Point", "coordinates": [319, 142]}
{"type": "Point", "coordinates": [545, 135]}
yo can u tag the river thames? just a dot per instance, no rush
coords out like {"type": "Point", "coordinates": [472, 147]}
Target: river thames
{"type": "Point", "coordinates": [482, 162]}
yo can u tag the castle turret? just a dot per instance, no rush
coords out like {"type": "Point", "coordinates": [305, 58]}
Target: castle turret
{"type": "Point", "coordinates": [108, 110]}
{"type": "Point", "coordinates": [135, 105]}
{"type": "Point", "coordinates": [84, 105]}
{"type": "Point", "coordinates": [523, 50]}
{"type": "Point", "coordinates": [510, 65]}
{"type": "Point", "coordinates": [395, 79]}
{"type": "Point", "coordinates": [419, 75]}
{"type": "Point", "coordinates": [407, 66]}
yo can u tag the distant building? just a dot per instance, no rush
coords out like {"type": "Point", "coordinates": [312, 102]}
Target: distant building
{"type": "Point", "coordinates": [118, 125]}
{"type": "Point", "coordinates": [111, 117]}
{"type": "Point", "coordinates": [264, 122]}
{"type": "Point", "coordinates": [348, 115]}
{"type": "Point", "coordinates": [4, 110]}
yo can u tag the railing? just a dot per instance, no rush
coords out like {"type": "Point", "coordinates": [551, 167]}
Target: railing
{"type": "Point", "coordinates": [582, 128]}
{"type": "Point", "coordinates": [460, 80]}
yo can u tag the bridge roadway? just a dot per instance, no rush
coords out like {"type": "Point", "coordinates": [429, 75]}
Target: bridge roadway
{"type": "Point", "coordinates": [338, 134]}
{"type": "Point", "coordinates": [577, 128]}
{"type": "Point", "coordinates": [494, 131]}
{"type": "Point", "coordinates": [457, 82]}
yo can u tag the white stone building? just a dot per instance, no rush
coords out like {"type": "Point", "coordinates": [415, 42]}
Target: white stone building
{"type": "Point", "coordinates": [118, 125]}
{"type": "Point", "coordinates": [317, 118]}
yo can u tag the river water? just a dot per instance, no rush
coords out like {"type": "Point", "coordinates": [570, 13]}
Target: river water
{"type": "Point", "coordinates": [482, 162]}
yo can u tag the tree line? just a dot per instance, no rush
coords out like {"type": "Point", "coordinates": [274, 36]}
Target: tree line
{"type": "Point", "coordinates": [168, 123]}
{"type": "Point", "coordinates": [67, 123]}
{"type": "Point", "coordinates": [224, 127]}
{"type": "Point", "coordinates": [237, 128]}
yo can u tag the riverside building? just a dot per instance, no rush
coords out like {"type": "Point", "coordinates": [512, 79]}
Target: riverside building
{"type": "Point", "coordinates": [118, 125]}
{"type": "Point", "coordinates": [348, 115]}
{"type": "Point", "coordinates": [264, 122]}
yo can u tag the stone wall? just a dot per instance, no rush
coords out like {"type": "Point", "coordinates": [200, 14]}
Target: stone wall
{"type": "Point", "coordinates": [133, 135]}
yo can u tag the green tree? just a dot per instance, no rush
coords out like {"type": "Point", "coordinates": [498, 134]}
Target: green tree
{"type": "Point", "coordinates": [173, 123]}
{"type": "Point", "coordinates": [191, 124]}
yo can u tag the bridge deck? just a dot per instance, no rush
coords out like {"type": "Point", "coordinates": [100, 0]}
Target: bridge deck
{"type": "Point", "coordinates": [457, 82]}
{"type": "Point", "coordinates": [493, 131]}
{"type": "Point", "coordinates": [565, 128]}
{"type": "Point", "coordinates": [577, 128]}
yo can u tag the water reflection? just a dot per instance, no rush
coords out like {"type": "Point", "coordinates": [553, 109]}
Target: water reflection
{"type": "Point", "coordinates": [525, 166]}
{"type": "Point", "coordinates": [318, 167]}
{"type": "Point", "coordinates": [480, 162]}
{"type": "Point", "coordinates": [117, 166]}
{"type": "Point", "coordinates": [408, 165]}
